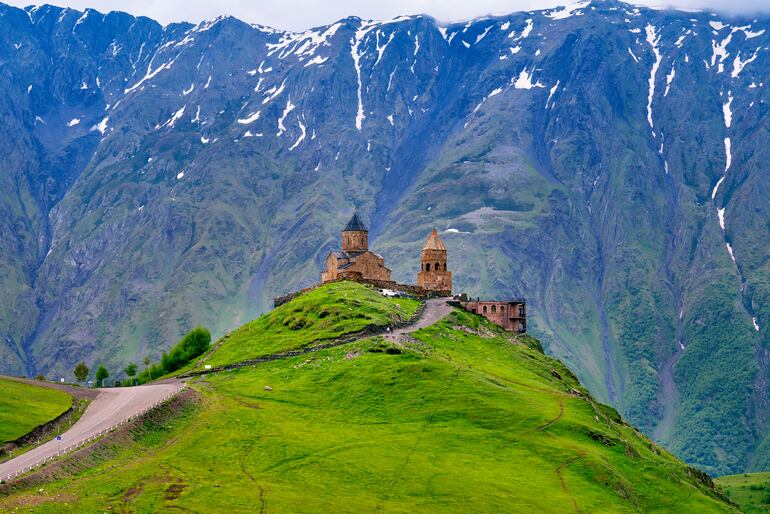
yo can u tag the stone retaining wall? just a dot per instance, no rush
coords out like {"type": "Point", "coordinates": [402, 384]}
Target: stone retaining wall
{"type": "Point", "coordinates": [410, 289]}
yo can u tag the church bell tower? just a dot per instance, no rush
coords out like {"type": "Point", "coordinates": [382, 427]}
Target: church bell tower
{"type": "Point", "coordinates": [433, 275]}
{"type": "Point", "coordinates": [355, 236]}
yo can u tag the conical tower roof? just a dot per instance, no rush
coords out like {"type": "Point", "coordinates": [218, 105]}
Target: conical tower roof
{"type": "Point", "coordinates": [434, 242]}
{"type": "Point", "coordinates": [355, 224]}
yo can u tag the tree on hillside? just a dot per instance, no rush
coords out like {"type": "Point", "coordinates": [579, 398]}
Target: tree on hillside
{"type": "Point", "coordinates": [131, 371]}
{"type": "Point", "coordinates": [147, 370]}
{"type": "Point", "coordinates": [101, 374]}
{"type": "Point", "coordinates": [81, 371]}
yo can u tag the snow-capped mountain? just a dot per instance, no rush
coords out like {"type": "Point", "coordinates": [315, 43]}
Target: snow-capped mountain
{"type": "Point", "coordinates": [608, 162]}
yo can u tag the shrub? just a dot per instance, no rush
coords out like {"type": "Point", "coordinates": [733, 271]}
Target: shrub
{"type": "Point", "coordinates": [195, 343]}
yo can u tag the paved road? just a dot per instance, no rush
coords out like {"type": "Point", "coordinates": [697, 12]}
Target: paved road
{"type": "Point", "coordinates": [110, 407]}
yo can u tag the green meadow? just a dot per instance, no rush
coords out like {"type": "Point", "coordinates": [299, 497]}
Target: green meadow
{"type": "Point", "coordinates": [463, 417]}
{"type": "Point", "coordinates": [24, 407]}
{"type": "Point", "coordinates": [750, 491]}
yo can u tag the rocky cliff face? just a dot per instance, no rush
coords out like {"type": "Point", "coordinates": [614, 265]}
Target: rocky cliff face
{"type": "Point", "coordinates": [608, 162]}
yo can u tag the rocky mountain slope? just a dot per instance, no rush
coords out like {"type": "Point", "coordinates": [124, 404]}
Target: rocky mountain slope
{"type": "Point", "coordinates": [608, 162]}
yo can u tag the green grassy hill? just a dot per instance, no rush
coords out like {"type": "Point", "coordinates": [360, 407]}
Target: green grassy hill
{"type": "Point", "coordinates": [751, 491]}
{"type": "Point", "coordinates": [24, 407]}
{"type": "Point", "coordinates": [324, 313]}
{"type": "Point", "coordinates": [461, 417]}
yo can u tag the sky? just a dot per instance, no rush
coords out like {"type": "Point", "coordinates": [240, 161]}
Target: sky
{"type": "Point", "coordinates": [303, 14]}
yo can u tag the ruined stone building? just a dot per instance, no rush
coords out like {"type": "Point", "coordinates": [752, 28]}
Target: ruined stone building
{"type": "Point", "coordinates": [509, 314]}
{"type": "Point", "coordinates": [433, 275]}
{"type": "Point", "coordinates": [355, 261]}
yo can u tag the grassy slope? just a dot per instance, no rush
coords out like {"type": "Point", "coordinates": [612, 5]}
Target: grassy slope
{"type": "Point", "coordinates": [24, 407]}
{"type": "Point", "coordinates": [324, 313]}
{"type": "Point", "coordinates": [751, 491]}
{"type": "Point", "coordinates": [463, 420]}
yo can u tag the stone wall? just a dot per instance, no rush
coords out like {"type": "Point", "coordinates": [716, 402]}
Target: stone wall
{"type": "Point", "coordinates": [412, 290]}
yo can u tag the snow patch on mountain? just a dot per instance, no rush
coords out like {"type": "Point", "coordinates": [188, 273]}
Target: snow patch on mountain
{"type": "Point", "coordinates": [381, 49]}
{"type": "Point", "coordinates": [551, 93]}
{"type": "Point", "coordinates": [524, 81]}
{"type": "Point", "coordinates": [719, 51]}
{"type": "Point", "coordinates": [149, 75]}
{"type": "Point", "coordinates": [716, 187]}
{"type": "Point", "coordinates": [355, 43]}
{"type": "Point", "coordinates": [173, 119]}
{"type": "Point", "coordinates": [730, 251]}
{"type": "Point", "coordinates": [739, 64]}
{"type": "Point", "coordinates": [317, 60]}
{"type": "Point", "coordinates": [301, 136]}
{"type": "Point", "coordinates": [568, 10]}
{"type": "Point", "coordinates": [653, 39]}
{"type": "Point", "coordinates": [289, 107]}
{"type": "Point", "coordinates": [101, 127]}
{"type": "Point", "coordinates": [525, 32]}
{"type": "Point", "coordinates": [251, 118]}
{"type": "Point", "coordinates": [272, 93]}
{"type": "Point", "coordinates": [669, 79]}
{"type": "Point", "coordinates": [482, 35]}
{"type": "Point", "coordinates": [727, 111]}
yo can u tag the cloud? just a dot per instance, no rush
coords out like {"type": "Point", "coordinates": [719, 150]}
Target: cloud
{"type": "Point", "coordinates": [302, 14]}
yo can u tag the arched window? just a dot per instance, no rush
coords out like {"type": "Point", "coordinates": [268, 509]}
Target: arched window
{"type": "Point", "coordinates": [445, 266]}
{"type": "Point", "coordinates": [427, 266]}
{"type": "Point", "coordinates": [438, 267]}
{"type": "Point", "coordinates": [494, 308]}
{"type": "Point", "coordinates": [485, 309]}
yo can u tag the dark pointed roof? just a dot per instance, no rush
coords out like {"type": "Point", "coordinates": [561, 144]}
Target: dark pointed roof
{"type": "Point", "coordinates": [355, 224]}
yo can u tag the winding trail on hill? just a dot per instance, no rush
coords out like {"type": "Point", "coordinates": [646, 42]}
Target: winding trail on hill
{"type": "Point", "coordinates": [557, 418]}
{"type": "Point", "coordinates": [433, 310]}
{"type": "Point", "coordinates": [563, 482]}
{"type": "Point", "coordinates": [110, 407]}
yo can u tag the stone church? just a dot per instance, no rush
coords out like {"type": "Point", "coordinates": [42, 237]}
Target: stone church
{"type": "Point", "coordinates": [355, 261]}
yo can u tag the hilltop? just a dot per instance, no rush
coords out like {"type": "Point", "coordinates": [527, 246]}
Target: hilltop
{"type": "Point", "coordinates": [459, 415]}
